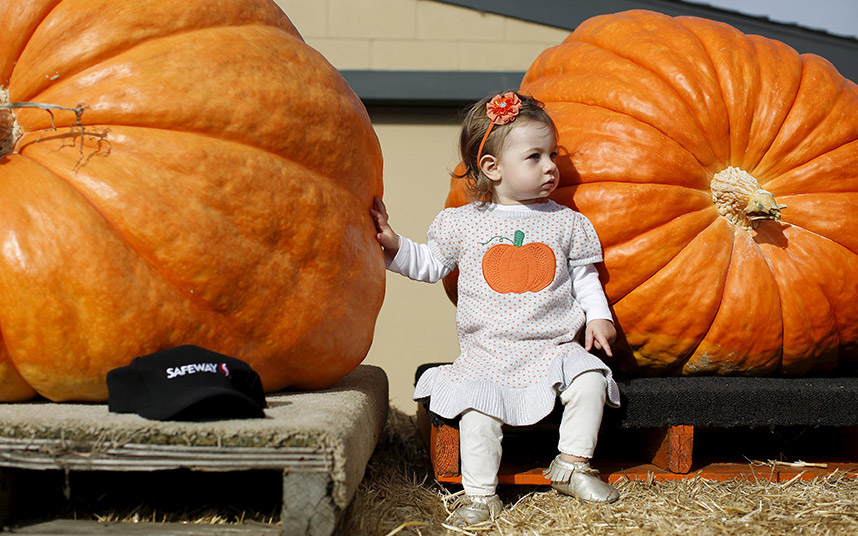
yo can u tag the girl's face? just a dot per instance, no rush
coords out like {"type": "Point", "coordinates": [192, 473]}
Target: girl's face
{"type": "Point", "coordinates": [525, 170]}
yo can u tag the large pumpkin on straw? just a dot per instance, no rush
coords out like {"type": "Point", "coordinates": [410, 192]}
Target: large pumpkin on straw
{"type": "Point", "coordinates": [721, 173]}
{"type": "Point", "coordinates": [209, 184]}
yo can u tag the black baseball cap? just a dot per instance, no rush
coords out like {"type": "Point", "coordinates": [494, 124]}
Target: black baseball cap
{"type": "Point", "coordinates": [186, 383]}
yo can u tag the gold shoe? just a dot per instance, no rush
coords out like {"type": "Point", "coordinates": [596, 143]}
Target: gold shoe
{"type": "Point", "coordinates": [580, 480]}
{"type": "Point", "coordinates": [475, 510]}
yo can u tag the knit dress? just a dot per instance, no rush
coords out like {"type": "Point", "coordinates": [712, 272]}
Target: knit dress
{"type": "Point", "coordinates": [516, 316]}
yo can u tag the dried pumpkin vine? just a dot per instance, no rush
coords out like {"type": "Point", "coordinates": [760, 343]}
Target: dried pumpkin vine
{"type": "Point", "coordinates": [11, 132]}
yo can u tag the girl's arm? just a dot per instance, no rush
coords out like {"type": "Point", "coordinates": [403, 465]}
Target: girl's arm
{"type": "Point", "coordinates": [403, 256]}
{"type": "Point", "coordinates": [416, 261]}
{"type": "Point", "coordinates": [587, 289]}
{"type": "Point", "coordinates": [386, 236]}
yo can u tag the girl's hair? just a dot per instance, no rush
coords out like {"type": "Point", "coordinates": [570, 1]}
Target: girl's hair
{"type": "Point", "coordinates": [474, 125]}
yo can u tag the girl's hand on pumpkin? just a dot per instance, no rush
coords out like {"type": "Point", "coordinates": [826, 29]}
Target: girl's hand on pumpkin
{"type": "Point", "coordinates": [388, 239]}
{"type": "Point", "coordinates": [600, 333]}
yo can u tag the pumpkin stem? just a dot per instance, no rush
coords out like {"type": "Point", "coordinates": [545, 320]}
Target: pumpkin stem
{"type": "Point", "coordinates": [741, 200]}
{"type": "Point", "coordinates": [10, 131]}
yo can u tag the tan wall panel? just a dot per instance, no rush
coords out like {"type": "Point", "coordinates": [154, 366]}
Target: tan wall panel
{"type": "Point", "coordinates": [372, 19]}
{"type": "Point", "coordinates": [403, 55]}
{"type": "Point", "coordinates": [354, 53]}
{"type": "Point", "coordinates": [417, 323]}
{"type": "Point", "coordinates": [437, 21]}
{"type": "Point", "coordinates": [309, 17]}
{"type": "Point", "coordinates": [417, 35]}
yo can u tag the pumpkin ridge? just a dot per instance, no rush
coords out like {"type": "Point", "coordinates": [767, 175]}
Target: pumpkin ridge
{"type": "Point", "coordinates": [677, 290]}
{"type": "Point", "coordinates": [340, 185]}
{"type": "Point", "coordinates": [761, 55]}
{"type": "Point", "coordinates": [526, 86]}
{"type": "Point", "coordinates": [763, 176]}
{"type": "Point", "coordinates": [758, 316]}
{"type": "Point", "coordinates": [24, 362]}
{"type": "Point", "coordinates": [538, 80]}
{"type": "Point", "coordinates": [155, 266]}
{"type": "Point", "coordinates": [782, 182]}
{"type": "Point", "coordinates": [809, 72]}
{"type": "Point", "coordinates": [111, 55]}
{"type": "Point", "coordinates": [680, 364]}
{"type": "Point", "coordinates": [839, 324]}
{"type": "Point", "coordinates": [704, 188]}
{"type": "Point", "coordinates": [805, 358]}
{"type": "Point", "coordinates": [822, 289]}
{"type": "Point", "coordinates": [680, 23]}
{"type": "Point", "coordinates": [24, 42]}
{"type": "Point", "coordinates": [636, 118]}
{"type": "Point", "coordinates": [756, 42]}
{"type": "Point", "coordinates": [270, 139]}
{"type": "Point", "coordinates": [332, 189]}
{"type": "Point", "coordinates": [690, 25]}
{"type": "Point", "coordinates": [701, 132]}
{"type": "Point", "coordinates": [619, 229]}
{"type": "Point", "coordinates": [150, 262]}
{"type": "Point", "coordinates": [815, 233]}
{"type": "Point", "coordinates": [637, 237]}
{"type": "Point", "coordinates": [129, 43]}
{"type": "Point", "coordinates": [772, 275]}
{"type": "Point", "coordinates": [646, 276]}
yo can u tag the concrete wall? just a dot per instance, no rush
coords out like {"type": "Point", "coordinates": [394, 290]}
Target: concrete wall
{"type": "Point", "coordinates": [417, 35]}
{"type": "Point", "coordinates": [417, 322]}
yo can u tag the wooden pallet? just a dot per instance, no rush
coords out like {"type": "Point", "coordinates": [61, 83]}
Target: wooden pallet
{"type": "Point", "coordinates": [318, 442]}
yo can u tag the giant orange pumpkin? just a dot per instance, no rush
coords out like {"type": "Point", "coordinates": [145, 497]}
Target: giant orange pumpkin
{"type": "Point", "coordinates": [215, 191]}
{"type": "Point", "coordinates": [681, 140]}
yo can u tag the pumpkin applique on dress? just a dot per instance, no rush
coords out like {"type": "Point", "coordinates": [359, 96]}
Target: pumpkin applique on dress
{"type": "Point", "coordinates": [518, 267]}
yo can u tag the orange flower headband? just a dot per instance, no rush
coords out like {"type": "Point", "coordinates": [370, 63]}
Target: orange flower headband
{"type": "Point", "coordinates": [501, 110]}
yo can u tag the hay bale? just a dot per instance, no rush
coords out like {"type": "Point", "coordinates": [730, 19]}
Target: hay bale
{"type": "Point", "coordinates": [400, 496]}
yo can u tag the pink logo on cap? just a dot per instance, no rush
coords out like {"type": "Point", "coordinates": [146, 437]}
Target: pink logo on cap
{"type": "Point", "coordinates": [224, 369]}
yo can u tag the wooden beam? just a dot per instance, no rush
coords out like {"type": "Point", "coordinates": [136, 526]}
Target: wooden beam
{"type": "Point", "coordinates": [674, 453]}
{"type": "Point", "coordinates": [444, 446]}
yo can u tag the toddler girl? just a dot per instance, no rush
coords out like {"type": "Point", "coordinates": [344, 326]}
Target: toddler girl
{"type": "Point", "coordinates": [527, 285]}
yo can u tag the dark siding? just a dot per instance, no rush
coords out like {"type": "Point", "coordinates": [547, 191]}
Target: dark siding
{"type": "Point", "coordinates": [452, 89]}
{"type": "Point", "coordinates": [567, 14]}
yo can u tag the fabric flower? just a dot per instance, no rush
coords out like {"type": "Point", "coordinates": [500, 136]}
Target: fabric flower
{"type": "Point", "coordinates": [503, 108]}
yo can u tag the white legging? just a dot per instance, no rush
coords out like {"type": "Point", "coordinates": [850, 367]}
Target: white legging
{"type": "Point", "coordinates": [480, 435]}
